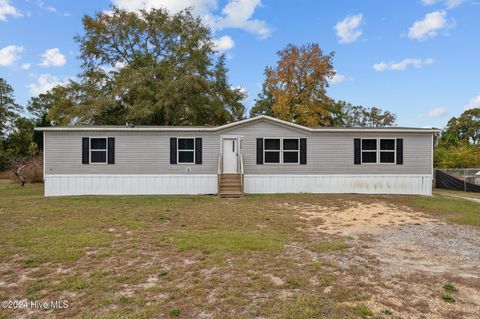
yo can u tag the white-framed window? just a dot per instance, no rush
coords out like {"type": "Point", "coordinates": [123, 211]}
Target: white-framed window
{"type": "Point", "coordinates": [281, 150]}
{"type": "Point", "coordinates": [369, 150]}
{"type": "Point", "coordinates": [387, 150]}
{"type": "Point", "coordinates": [271, 150]}
{"type": "Point", "coordinates": [98, 150]}
{"type": "Point", "coordinates": [291, 150]}
{"type": "Point", "coordinates": [378, 150]}
{"type": "Point", "coordinates": [186, 150]}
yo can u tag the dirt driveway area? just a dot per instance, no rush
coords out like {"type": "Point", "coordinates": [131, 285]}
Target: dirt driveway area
{"type": "Point", "coordinates": [411, 256]}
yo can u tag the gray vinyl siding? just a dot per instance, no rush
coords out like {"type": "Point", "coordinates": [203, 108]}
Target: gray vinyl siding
{"type": "Point", "coordinates": [135, 153]}
{"type": "Point", "coordinates": [149, 152]}
{"type": "Point", "coordinates": [332, 153]}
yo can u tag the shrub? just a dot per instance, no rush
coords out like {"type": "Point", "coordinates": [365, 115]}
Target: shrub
{"type": "Point", "coordinates": [363, 311]}
{"type": "Point", "coordinates": [448, 298]}
{"type": "Point", "coordinates": [459, 156]}
{"type": "Point", "coordinates": [175, 312]}
{"type": "Point", "coordinates": [33, 172]}
{"type": "Point", "coordinates": [449, 287]}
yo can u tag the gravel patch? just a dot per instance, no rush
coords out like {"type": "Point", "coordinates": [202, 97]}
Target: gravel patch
{"type": "Point", "coordinates": [431, 247]}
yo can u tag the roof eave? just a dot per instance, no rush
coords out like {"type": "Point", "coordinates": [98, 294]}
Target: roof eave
{"type": "Point", "coordinates": [234, 124]}
{"type": "Point", "coordinates": [120, 129]}
{"type": "Point", "coordinates": [377, 130]}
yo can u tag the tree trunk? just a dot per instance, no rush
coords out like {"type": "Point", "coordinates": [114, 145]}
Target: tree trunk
{"type": "Point", "coordinates": [20, 177]}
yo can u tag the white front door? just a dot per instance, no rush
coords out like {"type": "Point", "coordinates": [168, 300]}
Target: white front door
{"type": "Point", "coordinates": [229, 154]}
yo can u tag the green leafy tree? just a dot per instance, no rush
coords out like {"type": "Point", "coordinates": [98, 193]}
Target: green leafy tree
{"type": "Point", "coordinates": [8, 108]}
{"type": "Point", "coordinates": [228, 97]}
{"type": "Point", "coordinates": [459, 143]}
{"type": "Point", "coordinates": [56, 106]}
{"type": "Point", "coordinates": [147, 67]}
{"type": "Point", "coordinates": [9, 113]}
{"type": "Point", "coordinates": [465, 128]}
{"type": "Point", "coordinates": [19, 140]}
{"type": "Point", "coordinates": [263, 105]}
{"type": "Point", "coordinates": [37, 136]}
{"type": "Point", "coordinates": [359, 116]}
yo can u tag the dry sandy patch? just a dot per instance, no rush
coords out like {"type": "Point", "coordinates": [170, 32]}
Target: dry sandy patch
{"type": "Point", "coordinates": [408, 255]}
{"type": "Point", "coordinates": [359, 218]}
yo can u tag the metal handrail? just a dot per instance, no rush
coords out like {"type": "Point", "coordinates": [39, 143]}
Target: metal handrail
{"type": "Point", "coordinates": [219, 172]}
{"type": "Point", "coordinates": [219, 169]}
{"type": "Point", "coordinates": [241, 164]}
{"type": "Point", "coordinates": [241, 170]}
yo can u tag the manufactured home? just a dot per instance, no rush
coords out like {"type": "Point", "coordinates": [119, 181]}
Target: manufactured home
{"type": "Point", "coordinates": [256, 155]}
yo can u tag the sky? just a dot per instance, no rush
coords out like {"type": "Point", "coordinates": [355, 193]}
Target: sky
{"type": "Point", "coordinates": [419, 59]}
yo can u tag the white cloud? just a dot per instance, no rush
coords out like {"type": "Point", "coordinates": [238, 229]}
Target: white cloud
{"type": "Point", "coordinates": [429, 27]}
{"type": "Point", "coordinates": [116, 68]}
{"type": "Point", "coordinates": [10, 54]}
{"type": "Point", "coordinates": [402, 65]}
{"type": "Point", "coordinates": [241, 89]}
{"type": "Point", "coordinates": [223, 44]}
{"type": "Point", "coordinates": [6, 9]}
{"type": "Point", "coordinates": [25, 66]}
{"type": "Point", "coordinates": [448, 3]}
{"type": "Point", "coordinates": [474, 103]}
{"type": "Point", "coordinates": [120, 65]}
{"type": "Point", "coordinates": [44, 83]}
{"type": "Point", "coordinates": [337, 78]}
{"type": "Point", "coordinates": [41, 4]}
{"type": "Point", "coordinates": [236, 14]}
{"type": "Point", "coordinates": [53, 57]}
{"type": "Point", "coordinates": [435, 113]}
{"type": "Point", "coordinates": [199, 7]}
{"type": "Point", "coordinates": [348, 30]}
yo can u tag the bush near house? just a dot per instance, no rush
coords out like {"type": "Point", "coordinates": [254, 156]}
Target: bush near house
{"type": "Point", "coordinates": [457, 156]}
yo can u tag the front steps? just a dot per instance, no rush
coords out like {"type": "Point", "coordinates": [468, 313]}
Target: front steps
{"type": "Point", "coordinates": [230, 186]}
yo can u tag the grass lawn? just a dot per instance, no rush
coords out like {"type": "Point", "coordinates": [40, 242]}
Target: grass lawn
{"type": "Point", "coordinates": [183, 256]}
{"type": "Point", "coordinates": [459, 211]}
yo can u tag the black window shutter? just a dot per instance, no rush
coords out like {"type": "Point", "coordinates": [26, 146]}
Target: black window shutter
{"type": "Point", "coordinates": [173, 150]}
{"type": "Point", "coordinates": [85, 150]}
{"type": "Point", "coordinates": [259, 151]}
{"type": "Point", "coordinates": [399, 151]}
{"type": "Point", "coordinates": [111, 150]}
{"type": "Point", "coordinates": [356, 151]}
{"type": "Point", "coordinates": [198, 150]}
{"type": "Point", "coordinates": [303, 151]}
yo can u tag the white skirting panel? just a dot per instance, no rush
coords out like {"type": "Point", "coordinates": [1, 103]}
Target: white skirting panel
{"type": "Point", "coordinates": [363, 184]}
{"type": "Point", "coordinates": [63, 185]}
